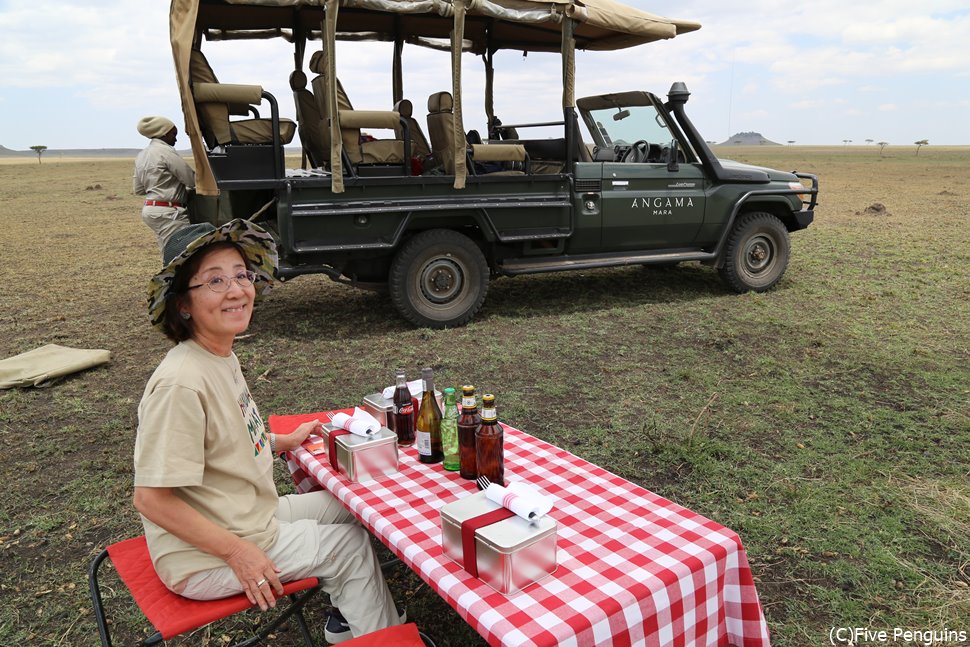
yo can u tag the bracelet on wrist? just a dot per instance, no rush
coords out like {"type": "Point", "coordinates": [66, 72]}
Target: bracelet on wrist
{"type": "Point", "coordinates": [272, 443]}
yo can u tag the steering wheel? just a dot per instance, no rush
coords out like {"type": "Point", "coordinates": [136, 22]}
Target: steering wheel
{"type": "Point", "coordinates": [637, 152]}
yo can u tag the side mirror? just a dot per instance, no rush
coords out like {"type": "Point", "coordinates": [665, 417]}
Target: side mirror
{"type": "Point", "coordinates": [672, 154]}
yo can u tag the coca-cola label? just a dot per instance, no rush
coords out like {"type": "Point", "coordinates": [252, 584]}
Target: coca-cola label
{"type": "Point", "coordinates": [405, 410]}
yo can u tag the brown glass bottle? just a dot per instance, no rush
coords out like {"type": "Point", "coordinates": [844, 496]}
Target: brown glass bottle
{"type": "Point", "coordinates": [489, 453]}
{"type": "Point", "coordinates": [429, 423]}
{"type": "Point", "coordinates": [468, 425]}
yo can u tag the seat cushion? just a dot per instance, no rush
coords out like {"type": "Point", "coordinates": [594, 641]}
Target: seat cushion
{"type": "Point", "coordinates": [260, 131]}
{"type": "Point", "coordinates": [170, 613]}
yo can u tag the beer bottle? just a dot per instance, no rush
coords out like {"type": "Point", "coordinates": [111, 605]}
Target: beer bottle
{"type": "Point", "coordinates": [449, 431]}
{"type": "Point", "coordinates": [404, 413]}
{"type": "Point", "coordinates": [468, 424]}
{"type": "Point", "coordinates": [488, 444]}
{"type": "Point", "coordinates": [429, 423]}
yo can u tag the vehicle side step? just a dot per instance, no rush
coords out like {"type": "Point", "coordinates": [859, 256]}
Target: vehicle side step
{"type": "Point", "coordinates": [515, 266]}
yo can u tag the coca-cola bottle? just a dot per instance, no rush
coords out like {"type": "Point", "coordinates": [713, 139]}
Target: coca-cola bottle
{"type": "Point", "coordinates": [429, 423]}
{"type": "Point", "coordinates": [404, 413]}
{"type": "Point", "coordinates": [468, 424]}
{"type": "Point", "coordinates": [489, 453]}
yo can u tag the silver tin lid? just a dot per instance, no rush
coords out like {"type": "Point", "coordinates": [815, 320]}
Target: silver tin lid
{"type": "Point", "coordinates": [354, 442]}
{"type": "Point", "coordinates": [506, 536]}
{"type": "Point", "coordinates": [379, 402]}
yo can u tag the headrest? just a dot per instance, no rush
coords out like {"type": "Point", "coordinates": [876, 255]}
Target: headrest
{"type": "Point", "coordinates": [297, 80]}
{"type": "Point", "coordinates": [317, 62]}
{"type": "Point", "coordinates": [440, 102]}
{"type": "Point", "coordinates": [404, 108]}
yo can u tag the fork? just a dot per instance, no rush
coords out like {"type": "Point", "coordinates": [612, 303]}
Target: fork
{"type": "Point", "coordinates": [483, 482]}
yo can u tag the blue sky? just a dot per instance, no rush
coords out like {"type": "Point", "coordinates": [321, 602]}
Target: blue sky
{"type": "Point", "coordinates": [80, 75]}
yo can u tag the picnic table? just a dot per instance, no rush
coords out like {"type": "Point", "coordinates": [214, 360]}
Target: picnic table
{"type": "Point", "coordinates": [633, 567]}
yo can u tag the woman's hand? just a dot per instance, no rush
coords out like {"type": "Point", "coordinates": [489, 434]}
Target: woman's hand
{"type": "Point", "coordinates": [256, 572]}
{"type": "Point", "coordinates": [292, 440]}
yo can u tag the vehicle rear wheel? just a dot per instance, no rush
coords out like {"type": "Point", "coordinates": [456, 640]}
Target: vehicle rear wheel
{"type": "Point", "coordinates": [438, 279]}
{"type": "Point", "coordinates": [756, 254]}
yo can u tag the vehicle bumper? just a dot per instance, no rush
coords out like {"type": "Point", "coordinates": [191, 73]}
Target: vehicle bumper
{"type": "Point", "coordinates": [803, 218]}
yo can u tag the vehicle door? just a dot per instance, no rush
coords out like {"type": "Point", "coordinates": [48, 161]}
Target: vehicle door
{"type": "Point", "coordinates": [646, 205]}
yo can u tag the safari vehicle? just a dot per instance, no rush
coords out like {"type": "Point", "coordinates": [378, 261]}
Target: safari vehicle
{"type": "Point", "coordinates": [431, 212]}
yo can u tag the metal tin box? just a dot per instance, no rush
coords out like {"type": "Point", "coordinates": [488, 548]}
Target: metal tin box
{"type": "Point", "coordinates": [511, 554]}
{"type": "Point", "coordinates": [380, 407]}
{"type": "Point", "coordinates": [365, 459]}
{"type": "Point", "coordinates": [383, 408]}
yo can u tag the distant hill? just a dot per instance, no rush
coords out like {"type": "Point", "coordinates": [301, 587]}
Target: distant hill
{"type": "Point", "coordinates": [748, 139]}
{"type": "Point", "coordinates": [76, 152]}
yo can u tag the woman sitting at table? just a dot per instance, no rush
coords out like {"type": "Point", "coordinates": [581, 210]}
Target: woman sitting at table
{"type": "Point", "coordinates": [204, 486]}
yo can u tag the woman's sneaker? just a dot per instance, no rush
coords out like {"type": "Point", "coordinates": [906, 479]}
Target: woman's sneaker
{"type": "Point", "coordinates": [337, 630]}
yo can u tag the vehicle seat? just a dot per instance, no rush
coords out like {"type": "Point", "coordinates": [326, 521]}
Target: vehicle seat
{"type": "Point", "coordinates": [309, 122]}
{"type": "Point", "coordinates": [441, 129]}
{"type": "Point", "coordinates": [215, 102]}
{"type": "Point", "coordinates": [441, 120]}
{"type": "Point", "coordinates": [419, 143]}
{"type": "Point", "coordinates": [372, 151]}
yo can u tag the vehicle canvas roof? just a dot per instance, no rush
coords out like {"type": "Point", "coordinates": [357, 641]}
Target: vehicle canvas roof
{"type": "Point", "coordinates": [489, 25]}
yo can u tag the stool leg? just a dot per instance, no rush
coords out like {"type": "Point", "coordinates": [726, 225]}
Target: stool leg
{"type": "Point", "coordinates": [96, 600]}
{"type": "Point", "coordinates": [297, 602]}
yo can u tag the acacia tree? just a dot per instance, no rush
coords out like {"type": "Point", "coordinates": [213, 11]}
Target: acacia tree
{"type": "Point", "coordinates": [39, 150]}
{"type": "Point", "coordinates": [920, 144]}
{"type": "Point", "coordinates": [882, 145]}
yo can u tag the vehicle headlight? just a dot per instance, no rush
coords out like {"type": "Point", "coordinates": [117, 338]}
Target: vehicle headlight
{"type": "Point", "coordinates": [798, 186]}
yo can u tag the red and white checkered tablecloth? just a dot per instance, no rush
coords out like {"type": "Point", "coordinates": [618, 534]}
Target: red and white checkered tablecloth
{"type": "Point", "coordinates": [634, 568]}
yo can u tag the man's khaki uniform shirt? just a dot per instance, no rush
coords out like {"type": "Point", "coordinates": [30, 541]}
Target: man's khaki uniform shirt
{"type": "Point", "coordinates": [161, 174]}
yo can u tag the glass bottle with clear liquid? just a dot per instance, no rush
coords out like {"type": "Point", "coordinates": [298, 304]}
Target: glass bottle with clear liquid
{"type": "Point", "coordinates": [449, 431]}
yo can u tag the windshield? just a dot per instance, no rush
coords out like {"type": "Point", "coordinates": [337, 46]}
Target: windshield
{"type": "Point", "coordinates": [622, 127]}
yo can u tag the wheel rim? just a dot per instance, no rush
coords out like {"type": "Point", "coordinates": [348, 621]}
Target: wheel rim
{"type": "Point", "coordinates": [759, 255]}
{"type": "Point", "coordinates": [442, 280]}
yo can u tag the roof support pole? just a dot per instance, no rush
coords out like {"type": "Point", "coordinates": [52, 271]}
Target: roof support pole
{"type": "Point", "coordinates": [457, 38]}
{"type": "Point", "coordinates": [329, 38]}
{"type": "Point", "coordinates": [569, 90]}
{"type": "Point", "coordinates": [397, 73]}
{"type": "Point", "coordinates": [487, 58]}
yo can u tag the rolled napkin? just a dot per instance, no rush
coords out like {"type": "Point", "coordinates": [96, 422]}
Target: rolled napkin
{"type": "Point", "coordinates": [521, 499]}
{"type": "Point", "coordinates": [360, 423]}
{"type": "Point", "coordinates": [416, 387]}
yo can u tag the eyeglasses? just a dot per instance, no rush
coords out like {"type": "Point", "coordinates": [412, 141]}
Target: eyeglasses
{"type": "Point", "coordinates": [222, 283]}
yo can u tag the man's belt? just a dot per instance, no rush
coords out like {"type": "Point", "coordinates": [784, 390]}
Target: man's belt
{"type": "Point", "coordinates": [160, 203]}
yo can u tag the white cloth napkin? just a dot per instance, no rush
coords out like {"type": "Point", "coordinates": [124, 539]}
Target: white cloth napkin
{"type": "Point", "coordinates": [360, 423]}
{"type": "Point", "coordinates": [524, 500]}
{"type": "Point", "coordinates": [416, 387]}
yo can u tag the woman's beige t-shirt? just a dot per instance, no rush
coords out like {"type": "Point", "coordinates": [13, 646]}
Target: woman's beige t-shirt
{"type": "Point", "coordinates": [200, 432]}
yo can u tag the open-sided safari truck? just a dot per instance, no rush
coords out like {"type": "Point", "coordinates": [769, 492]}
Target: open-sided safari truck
{"type": "Point", "coordinates": [432, 212]}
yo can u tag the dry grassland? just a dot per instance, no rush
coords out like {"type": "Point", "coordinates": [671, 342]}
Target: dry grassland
{"type": "Point", "coordinates": [826, 421]}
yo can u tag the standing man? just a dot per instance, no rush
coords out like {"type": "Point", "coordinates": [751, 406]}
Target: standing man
{"type": "Point", "coordinates": [163, 177]}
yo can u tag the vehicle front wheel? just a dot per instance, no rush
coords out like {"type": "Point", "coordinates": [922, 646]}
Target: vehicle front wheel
{"type": "Point", "coordinates": [438, 279]}
{"type": "Point", "coordinates": [756, 254]}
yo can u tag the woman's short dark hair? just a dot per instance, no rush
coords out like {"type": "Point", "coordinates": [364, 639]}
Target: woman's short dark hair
{"type": "Point", "coordinates": [174, 325]}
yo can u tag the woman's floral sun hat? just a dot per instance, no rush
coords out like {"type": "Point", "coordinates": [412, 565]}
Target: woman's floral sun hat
{"type": "Point", "coordinates": [256, 243]}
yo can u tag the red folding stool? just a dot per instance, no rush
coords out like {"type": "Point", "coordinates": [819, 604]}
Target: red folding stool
{"type": "Point", "coordinates": [170, 613]}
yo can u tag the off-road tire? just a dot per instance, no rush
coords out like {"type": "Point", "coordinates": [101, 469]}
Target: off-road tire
{"type": "Point", "coordinates": [756, 254]}
{"type": "Point", "coordinates": [438, 279]}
